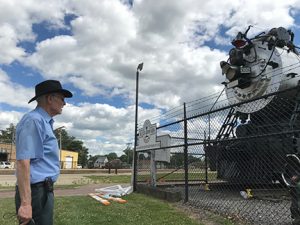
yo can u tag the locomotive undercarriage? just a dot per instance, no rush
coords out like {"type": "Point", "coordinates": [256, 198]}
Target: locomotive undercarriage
{"type": "Point", "coordinates": [264, 147]}
{"type": "Point", "coordinates": [257, 152]}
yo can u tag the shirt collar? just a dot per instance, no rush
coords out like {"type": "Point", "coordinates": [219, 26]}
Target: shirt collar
{"type": "Point", "coordinates": [45, 115]}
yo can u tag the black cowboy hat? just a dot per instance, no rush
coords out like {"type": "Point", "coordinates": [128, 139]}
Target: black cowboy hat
{"type": "Point", "coordinates": [50, 86]}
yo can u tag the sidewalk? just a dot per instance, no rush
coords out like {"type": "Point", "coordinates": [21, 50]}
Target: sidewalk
{"type": "Point", "coordinates": [82, 190]}
{"type": "Point", "coordinates": [10, 180]}
{"type": "Point", "coordinates": [86, 185]}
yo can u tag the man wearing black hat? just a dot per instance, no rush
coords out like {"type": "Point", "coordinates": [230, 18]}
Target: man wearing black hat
{"type": "Point", "coordinates": [37, 152]}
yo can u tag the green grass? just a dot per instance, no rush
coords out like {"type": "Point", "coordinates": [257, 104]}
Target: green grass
{"type": "Point", "coordinates": [139, 210]}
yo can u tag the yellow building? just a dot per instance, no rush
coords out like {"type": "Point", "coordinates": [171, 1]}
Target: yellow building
{"type": "Point", "coordinates": [68, 159]}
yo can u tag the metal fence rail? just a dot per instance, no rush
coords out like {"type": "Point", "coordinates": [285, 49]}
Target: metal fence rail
{"type": "Point", "coordinates": [233, 163]}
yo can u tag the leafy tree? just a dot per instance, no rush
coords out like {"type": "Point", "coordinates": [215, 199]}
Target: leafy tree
{"type": "Point", "coordinates": [93, 158]}
{"type": "Point", "coordinates": [123, 158]}
{"type": "Point", "coordinates": [8, 135]}
{"type": "Point", "coordinates": [192, 159]}
{"type": "Point", "coordinates": [177, 160]}
{"type": "Point", "coordinates": [67, 142]}
{"type": "Point", "coordinates": [128, 157]}
{"type": "Point", "coordinates": [82, 156]}
{"type": "Point", "coordinates": [111, 156]}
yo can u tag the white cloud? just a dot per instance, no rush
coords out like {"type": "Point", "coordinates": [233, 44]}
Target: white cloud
{"type": "Point", "coordinates": [16, 20]}
{"type": "Point", "coordinates": [109, 40]}
{"type": "Point", "coordinates": [8, 40]}
{"type": "Point", "coordinates": [14, 94]}
{"type": "Point", "coordinates": [8, 117]}
{"type": "Point", "coordinates": [102, 127]}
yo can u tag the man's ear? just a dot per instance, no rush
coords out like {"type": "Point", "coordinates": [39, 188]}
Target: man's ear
{"type": "Point", "coordinates": [49, 98]}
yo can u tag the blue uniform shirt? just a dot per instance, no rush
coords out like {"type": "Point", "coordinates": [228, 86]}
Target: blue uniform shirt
{"type": "Point", "coordinates": [35, 140]}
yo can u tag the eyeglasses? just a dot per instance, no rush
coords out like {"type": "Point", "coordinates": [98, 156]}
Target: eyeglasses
{"type": "Point", "coordinates": [59, 97]}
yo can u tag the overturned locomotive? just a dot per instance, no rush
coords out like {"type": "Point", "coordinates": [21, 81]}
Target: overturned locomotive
{"type": "Point", "coordinates": [260, 135]}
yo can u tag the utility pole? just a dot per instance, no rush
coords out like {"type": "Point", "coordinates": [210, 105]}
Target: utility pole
{"type": "Point", "coordinates": [13, 130]}
{"type": "Point", "coordinates": [60, 145]}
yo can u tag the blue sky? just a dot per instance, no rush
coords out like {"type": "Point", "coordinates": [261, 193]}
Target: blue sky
{"type": "Point", "coordinates": [94, 47]}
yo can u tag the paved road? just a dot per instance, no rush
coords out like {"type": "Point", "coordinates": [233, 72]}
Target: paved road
{"type": "Point", "coordinates": [82, 190]}
{"type": "Point", "coordinates": [10, 180]}
{"type": "Point", "coordinates": [64, 179]}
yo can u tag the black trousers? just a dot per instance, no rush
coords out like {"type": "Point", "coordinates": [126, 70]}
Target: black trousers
{"type": "Point", "coordinates": [42, 202]}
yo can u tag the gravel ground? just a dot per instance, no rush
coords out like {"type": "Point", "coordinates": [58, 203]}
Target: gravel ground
{"type": "Point", "coordinates": [232, 205]}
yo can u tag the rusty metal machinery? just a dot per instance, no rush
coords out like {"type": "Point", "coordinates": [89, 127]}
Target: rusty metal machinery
{"type": "Point", "coordinates": [266, 133]}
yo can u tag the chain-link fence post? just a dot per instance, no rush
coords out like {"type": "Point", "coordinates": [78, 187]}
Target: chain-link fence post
{"type": "Point", "coordinates": [186, 172]}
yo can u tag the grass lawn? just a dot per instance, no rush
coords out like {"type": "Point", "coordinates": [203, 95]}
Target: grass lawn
{"type": "Point", "coordinates": [139, 210]}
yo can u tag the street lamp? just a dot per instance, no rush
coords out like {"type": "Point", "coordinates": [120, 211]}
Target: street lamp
{"type": "Point", "coordinates": [138, 69]}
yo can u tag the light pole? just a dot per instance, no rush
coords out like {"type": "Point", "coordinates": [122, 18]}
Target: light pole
{"type": "Point", "coordinates": [139, 68]}
{"type": "Point", "coordinates": [60, 147]}
{"type": "Point", "coordinates": [13, 143]}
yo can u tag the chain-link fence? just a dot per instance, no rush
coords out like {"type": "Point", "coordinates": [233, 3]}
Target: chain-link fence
{"type": "Point", "coordinates": [240, 164]}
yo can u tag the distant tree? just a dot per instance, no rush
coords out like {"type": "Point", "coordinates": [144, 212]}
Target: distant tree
{"type": "Point", "coordinates": [82, 156]}
{"type": "Point", "coordinates": [93, 157]}
{"type": "Point", "coordinates": [123, 158]}
{"type": "Point", "coordinates": [192, 159]}
{"type": "Point", "coordinates": [111, 156]}
{"type": "Point", "coordinates": [128, 155]}
{"type": "Point", "coordinates": [177, 160]}
{"type": "Point", "coordinates": [8, 135]}
{"type": "Point", "coordinates": [71, 143]}
{"type": "Point", "coordinates": [65, 139]}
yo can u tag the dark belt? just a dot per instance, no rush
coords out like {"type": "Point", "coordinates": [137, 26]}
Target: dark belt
{"type": "Point", "coordinates": [47, 184]}
{"type": "Point", "coordinates": [39, 184]}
